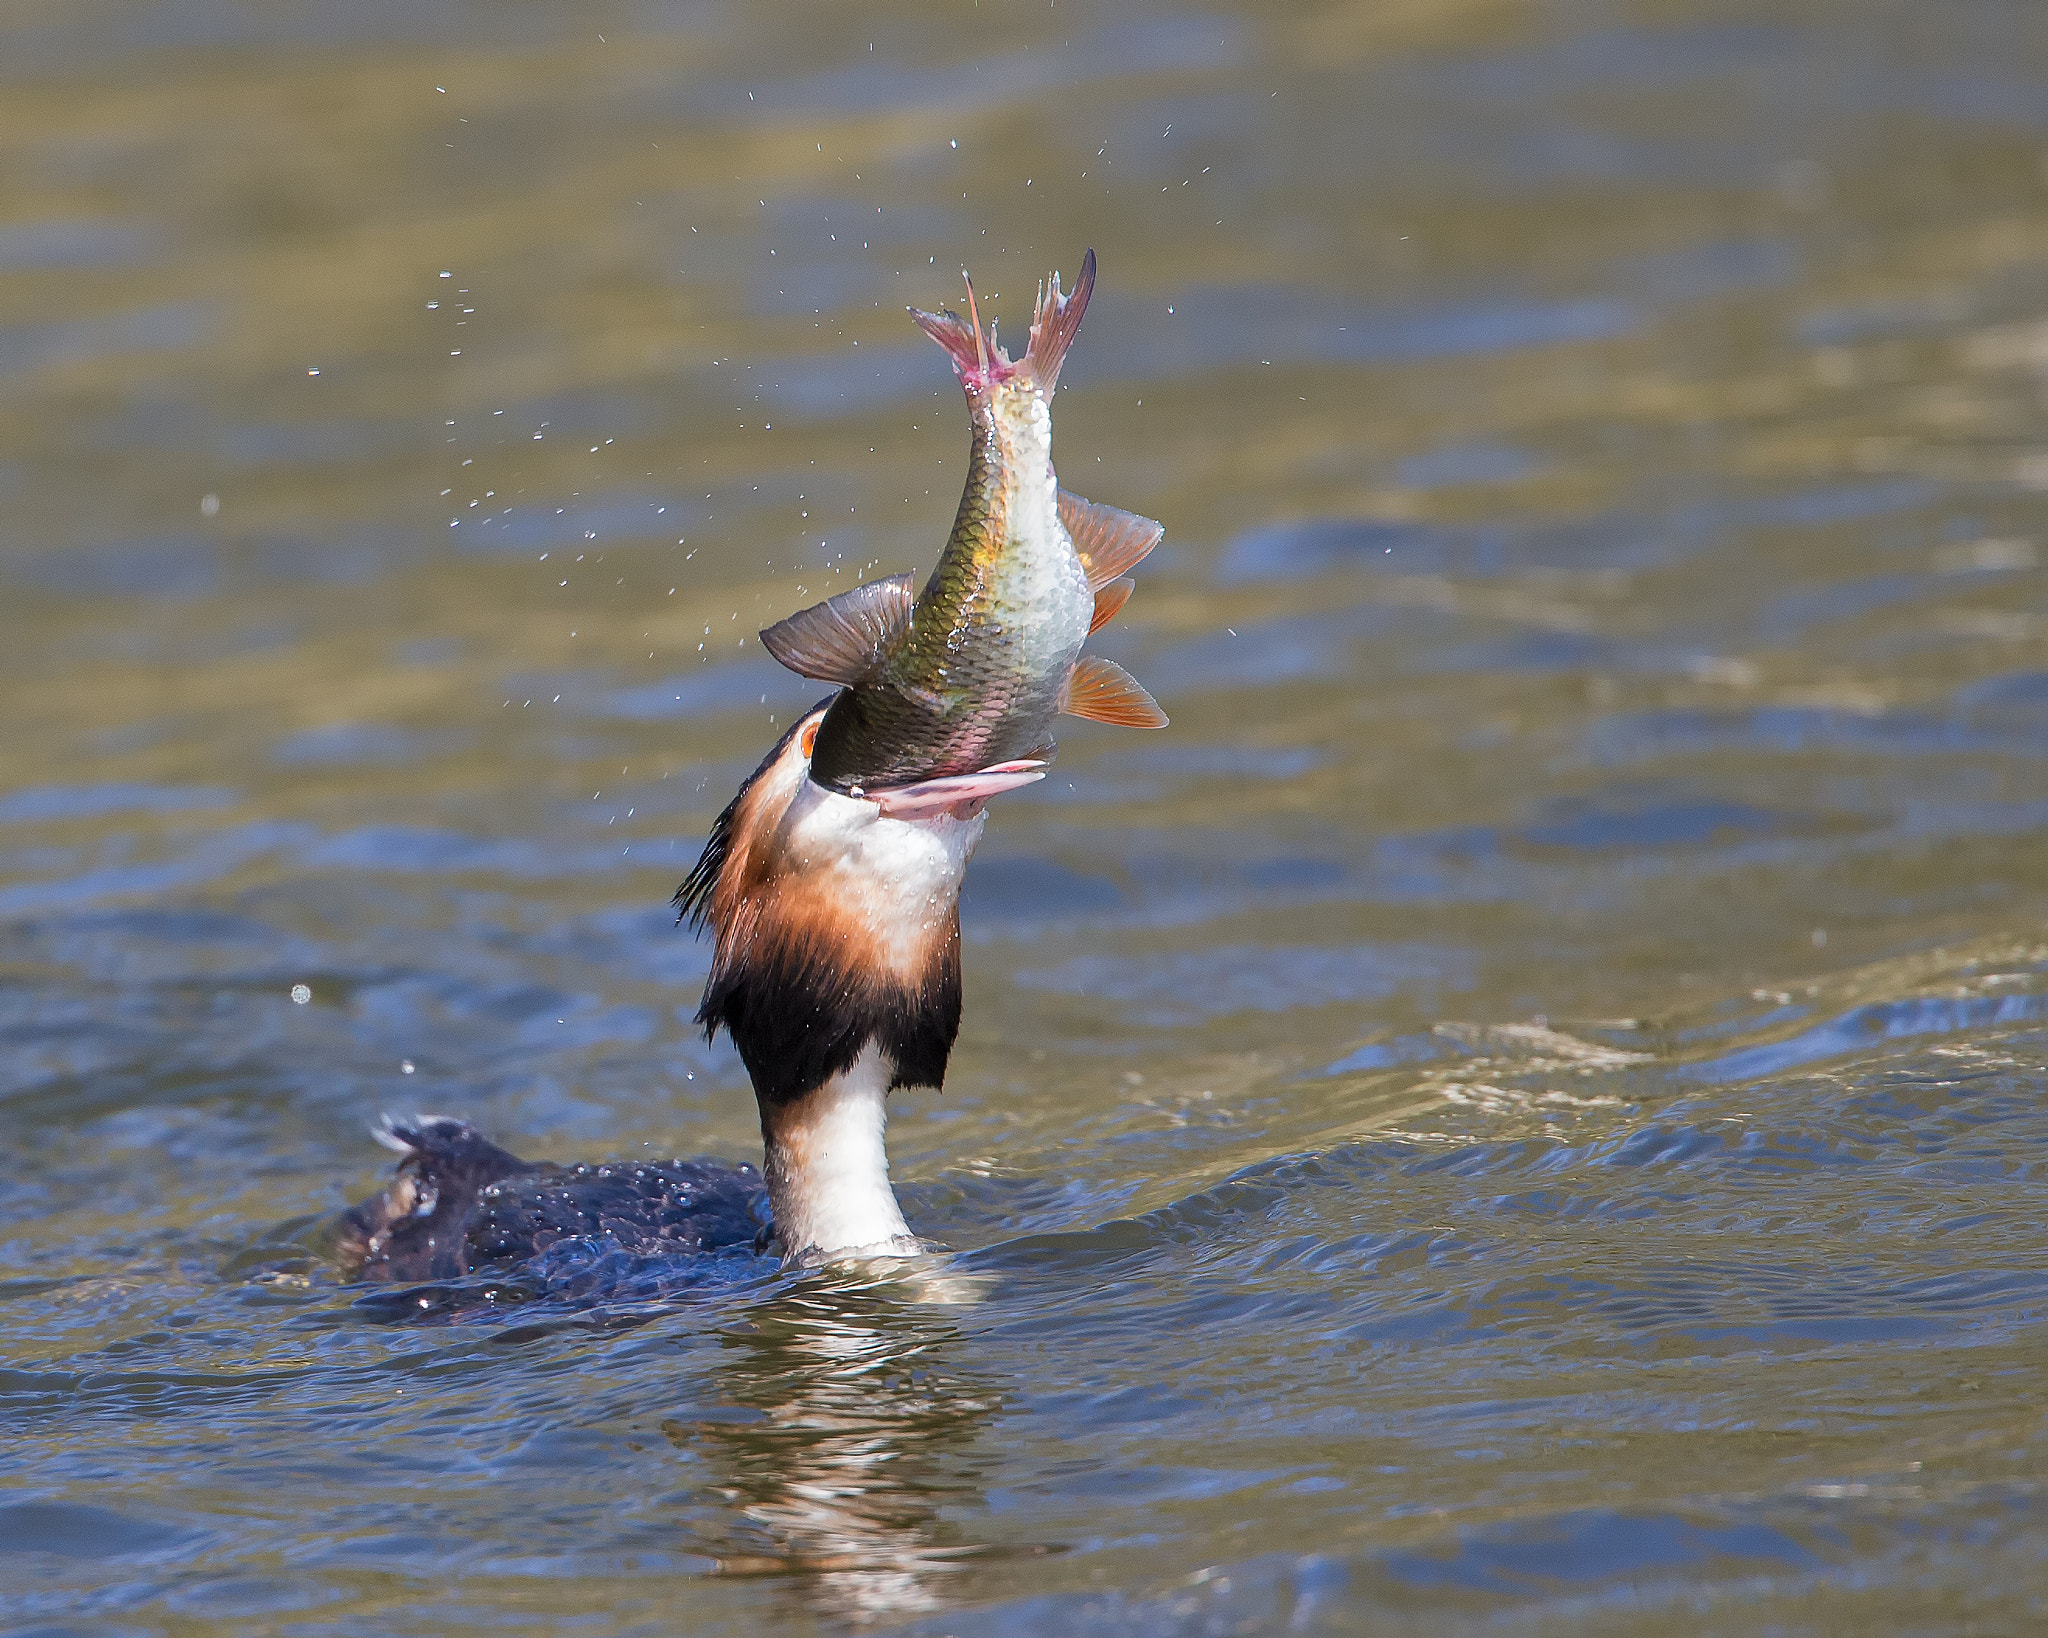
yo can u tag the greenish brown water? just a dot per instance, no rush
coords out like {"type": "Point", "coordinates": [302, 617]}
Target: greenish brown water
{"type": "Point", "coordinates": [1522, 1111]}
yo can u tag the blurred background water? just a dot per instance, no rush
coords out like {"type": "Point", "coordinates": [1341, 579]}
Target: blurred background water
{"type": "Point", "coordinates": [1522, 1111]}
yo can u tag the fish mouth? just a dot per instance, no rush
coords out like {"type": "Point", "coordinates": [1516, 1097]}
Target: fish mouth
{"type": "Point", "coordinates": [960, 796]}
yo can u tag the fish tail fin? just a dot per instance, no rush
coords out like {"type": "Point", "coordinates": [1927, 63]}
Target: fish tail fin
{"type": "Point", "coordinates": [1054, 322]}
{"type": "Point", "coordinates": [982, 343]}
{"type": "Point", "coordinates": [952, 332]}
{"type": "Point", "coordinates": [1103, 691]}
{"type": "Point", "coordinates": [977, 360]}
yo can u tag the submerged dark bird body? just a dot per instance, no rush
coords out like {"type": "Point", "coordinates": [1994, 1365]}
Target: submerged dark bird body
{"type": "Point", "coordinates": [461, 1204]}
{"type": "Point", "coordinates": [831, 882]}
{"type": "Point", "coordinates": [837, 974]}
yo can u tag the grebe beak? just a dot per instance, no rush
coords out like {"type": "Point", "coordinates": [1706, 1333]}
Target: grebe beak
{"type": "Point", "coordinates": [960, 795]}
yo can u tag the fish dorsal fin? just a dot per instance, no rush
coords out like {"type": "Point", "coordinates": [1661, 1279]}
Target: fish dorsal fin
{"type": "Point", "coordinates": [1109, 539]}
{"type": "Point", "coordinates": [1054, 322]}
{"type": "Point", "coordinates": [1103, 691]}
{"type": "Point", "coordinates": [1109, 600]}
{"type": "Point", "coordinates": [844, 638]}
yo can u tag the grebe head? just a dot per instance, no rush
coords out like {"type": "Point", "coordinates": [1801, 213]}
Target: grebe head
{"type": "Point", "coordinates": [836, 972]}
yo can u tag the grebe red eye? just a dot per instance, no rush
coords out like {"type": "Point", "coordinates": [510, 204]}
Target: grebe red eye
{"type": "Point", "coordinates": [808, 738]}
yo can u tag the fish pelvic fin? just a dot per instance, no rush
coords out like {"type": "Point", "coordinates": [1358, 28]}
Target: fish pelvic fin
{"type": "Point", "coordinates": [1109, 600]}
{"type": "Point", "coordinates": [1103, 691]}
{"type": "Point", "coordinates": [1054, 322]}
{"type": "Point", "coordinates": [1109, 540]}
{"type": "Point", "coordinates": [845, 638]}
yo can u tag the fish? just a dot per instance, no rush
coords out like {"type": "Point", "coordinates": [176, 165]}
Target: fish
{"type": "Point", "coordinates": [948, 695]}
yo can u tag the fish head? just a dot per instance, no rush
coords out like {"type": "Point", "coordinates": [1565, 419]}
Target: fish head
{"type": "Point", "coordinates": [858, 843]}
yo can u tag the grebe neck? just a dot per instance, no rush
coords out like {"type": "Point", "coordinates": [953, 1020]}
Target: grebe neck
{"type": "Point", "coordinates": [828, 1169]}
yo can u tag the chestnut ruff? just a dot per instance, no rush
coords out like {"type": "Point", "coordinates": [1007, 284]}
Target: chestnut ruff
{"type": "Point", "coordinates": [835, 928]}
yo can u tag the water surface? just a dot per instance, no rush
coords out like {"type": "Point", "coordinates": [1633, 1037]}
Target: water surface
{"type": "Point", "coordinates": [1523, 1110]}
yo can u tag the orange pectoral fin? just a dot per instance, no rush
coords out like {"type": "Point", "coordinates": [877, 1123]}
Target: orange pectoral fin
{"type": "Point", "coordinates": [1103, 691]}
{"type": "Point", "coordinates": [1109, 600]}
{"type": "Point", "coordinates": [1109, 540]}
{"type": "Point", "coordinates": [843, 639]}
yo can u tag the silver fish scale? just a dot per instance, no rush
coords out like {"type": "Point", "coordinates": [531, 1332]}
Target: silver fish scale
{"type": "Point", "coordinates": [996, 629]}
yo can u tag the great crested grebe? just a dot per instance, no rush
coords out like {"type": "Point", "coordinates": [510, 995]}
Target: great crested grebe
{"type": "Point", "coordinates": [831, 883]}
{"type": "Point", "coordinates": [837, 974]}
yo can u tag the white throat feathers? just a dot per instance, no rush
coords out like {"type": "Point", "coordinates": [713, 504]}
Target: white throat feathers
{"type": "Point", "coordinates": [837, 974]}
{"type": "Point", "coordinates": [828, 1167]}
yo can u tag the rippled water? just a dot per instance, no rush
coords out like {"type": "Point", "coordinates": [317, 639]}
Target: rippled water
{"type": "Point", "coordinates": [1522, 1111]}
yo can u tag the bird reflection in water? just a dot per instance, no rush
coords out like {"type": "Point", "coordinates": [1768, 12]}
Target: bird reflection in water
{"type": "Point", "coordinates": [856, 1473]}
